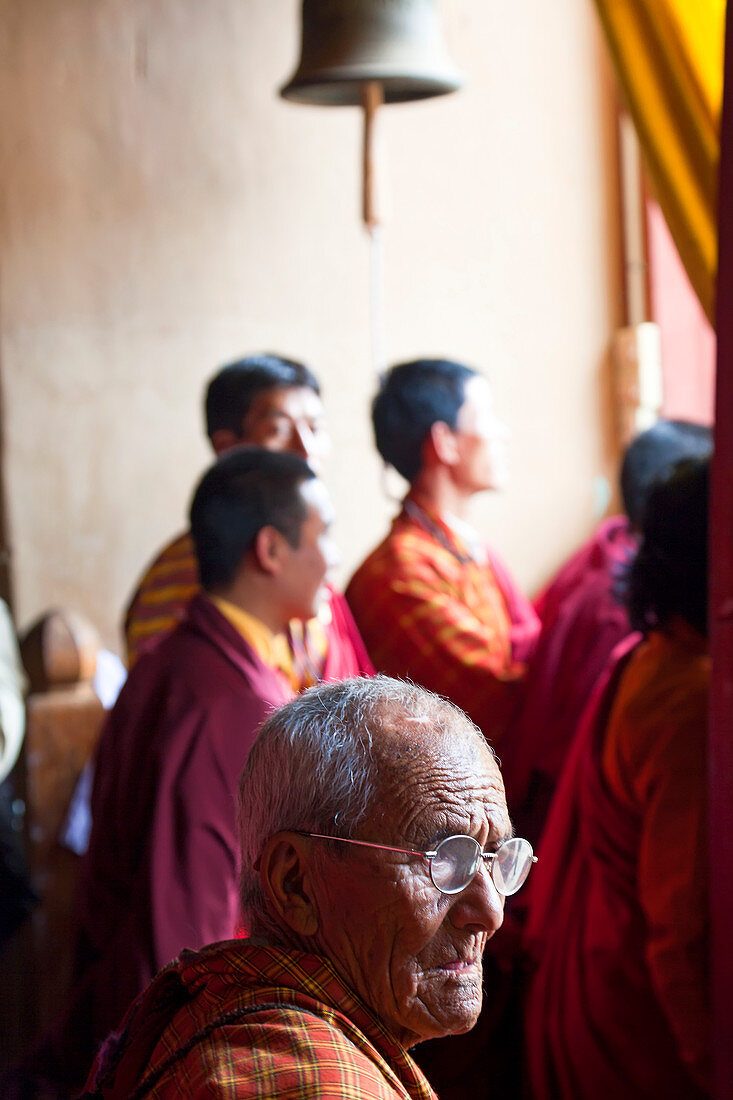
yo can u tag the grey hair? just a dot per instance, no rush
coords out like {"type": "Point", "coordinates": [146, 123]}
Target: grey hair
{"type": "Point", "coordinates": [314, 767]}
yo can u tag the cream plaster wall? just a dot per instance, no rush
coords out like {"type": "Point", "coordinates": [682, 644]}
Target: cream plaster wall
{"type": "Point", "coordinates": [161, 211]}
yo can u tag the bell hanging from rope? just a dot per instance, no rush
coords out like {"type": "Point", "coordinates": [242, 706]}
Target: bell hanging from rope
{"type": "Point", "coordinates": [347, 44]}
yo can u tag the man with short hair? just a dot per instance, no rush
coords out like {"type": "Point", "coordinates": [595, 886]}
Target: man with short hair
{"type": "Point", "coordinates": [272, 402]}
{"type": "Point", "coordinates": [161, 870]}
{"type": "Point", "coordinates": [432, 602]}
{"type": "Point", "coordinates": [376, 854]}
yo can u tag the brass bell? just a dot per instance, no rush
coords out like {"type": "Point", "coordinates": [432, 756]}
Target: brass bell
{"type": "Point", "coordinates": [347, 44]}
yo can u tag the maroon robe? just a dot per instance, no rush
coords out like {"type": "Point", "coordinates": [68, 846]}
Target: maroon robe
{"type": "Point", "coordinates": [582, 622]}
{"type": "Point", "coordinates": [161, 871]}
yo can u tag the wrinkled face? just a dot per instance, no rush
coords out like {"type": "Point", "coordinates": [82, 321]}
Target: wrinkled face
{"type": "Point", "coordinates": [412, 953]}
{"type": "Point", "coordinates": [307, 565]}
{"type": "Point", "coordinates": [288, 419]}
{"type": "Point", "coordinates": [482, 440]}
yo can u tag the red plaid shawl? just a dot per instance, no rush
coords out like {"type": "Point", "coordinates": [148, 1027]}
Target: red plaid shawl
{"type": "Point", "coordinates": [235, 1020]}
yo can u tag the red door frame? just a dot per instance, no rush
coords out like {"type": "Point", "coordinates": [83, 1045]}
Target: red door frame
{"type": "Point", "coordinates": [721, 592]}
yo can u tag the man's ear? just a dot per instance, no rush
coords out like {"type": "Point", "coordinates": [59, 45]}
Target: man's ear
{"type": "Point", "coordinates": [285, 876]}
{"type": "Point", "coordinates": [442, 444]}
{"type": "Point", "coordinates": [269, 550]}
{"type": "Point", "coordinates": [223, 439]}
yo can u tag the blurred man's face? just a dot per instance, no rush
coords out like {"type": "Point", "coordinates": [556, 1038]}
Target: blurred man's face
{"type": "Point", "coordinates": [288, 419]}
{"type": "Point", "coordinates": [413, 954]}
{"type": "Point", "coordinates": [302, 586]}
{"type": "Point", "coordinates": [482, 440]}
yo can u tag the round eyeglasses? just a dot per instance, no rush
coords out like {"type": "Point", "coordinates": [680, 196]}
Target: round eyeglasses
{"type": "Point", "coordinates": [456, 860]}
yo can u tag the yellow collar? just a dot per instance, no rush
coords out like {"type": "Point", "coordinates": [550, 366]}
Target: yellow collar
{"type": "Point", "coordinates": [271, 648]}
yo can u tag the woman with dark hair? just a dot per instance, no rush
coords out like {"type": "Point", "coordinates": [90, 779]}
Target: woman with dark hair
{"type": "Point", "coordinates": [618, 919]}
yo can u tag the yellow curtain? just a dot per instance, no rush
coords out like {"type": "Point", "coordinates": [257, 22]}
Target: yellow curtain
{"type": "Point", "coordinates": [669, 59]}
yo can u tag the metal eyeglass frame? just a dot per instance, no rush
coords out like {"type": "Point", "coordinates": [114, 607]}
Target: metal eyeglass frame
{"type": "Point", "coordinates": [487, 857]}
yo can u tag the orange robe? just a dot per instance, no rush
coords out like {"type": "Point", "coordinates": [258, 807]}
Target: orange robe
{"type": "Point", "coordinates": [618, 913]}
{"type": "Point", "coordinates": [429, 611]}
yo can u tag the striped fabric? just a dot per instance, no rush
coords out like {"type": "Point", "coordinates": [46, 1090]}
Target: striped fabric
{"type": "Point", "coordinates": [235, 1020]}
{"type": "Point", "coordinates": [164, 592]}
{"type": "Point", "coordinates": [429, 611]}
{"type": "Point", "coordinates": [161, 598]}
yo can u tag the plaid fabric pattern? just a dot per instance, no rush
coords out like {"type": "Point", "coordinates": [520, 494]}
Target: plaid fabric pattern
{"type": "Point", "coordinates": [236, 1020]}
{"type": "Point", "coordinates": [162, 596]}
{"type": "Point", "coordinates": [429, 612]}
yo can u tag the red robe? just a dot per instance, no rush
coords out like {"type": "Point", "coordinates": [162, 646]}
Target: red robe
{"type": "Point", "coordinates": [430, 612]}
{"type": "Point", "coordinates": [582, 622]}
{"type": "Point", "coordinates": [161, 870]}
{"type": "Point", "coordinates": [618, 901]}
{"type": "Point", "coordinates": [346, 654]}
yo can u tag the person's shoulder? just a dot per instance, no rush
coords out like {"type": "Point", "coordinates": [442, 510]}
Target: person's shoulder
{"type": "Point", "coordinates": [187, 722]}
{"type": "Point", "coordinates": [671, 668]}
{"type": "Point", "coordinates": [405, 549]}
{"type": "Point", "coordinates": [591, 606]}
{"type": "Point", "coordinates": [658, 724]}
{"type": "Point", "coordinates": [224, 677]}
{"type": "Point", "coordinates": [175, 556]}
{"type": "Point", "coordinates": [280, 1049]}
{"type": "Point", "coordinates": [184, 671]}
{"type": "Point", "coordinates": [161, 595]}
{"type": "Point", "coordinates": [365, 576]}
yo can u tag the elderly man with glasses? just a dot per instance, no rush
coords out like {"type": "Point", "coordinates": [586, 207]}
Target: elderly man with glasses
{"type": "Point", "coordinates": [376, 854]}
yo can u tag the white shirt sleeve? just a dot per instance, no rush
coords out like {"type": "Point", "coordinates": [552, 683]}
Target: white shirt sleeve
{"type": "Point", "coordinates": [12, 686]}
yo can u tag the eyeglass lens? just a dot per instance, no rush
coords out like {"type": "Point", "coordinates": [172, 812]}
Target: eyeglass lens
{"type": "Point", "coordinates": [456, 862]}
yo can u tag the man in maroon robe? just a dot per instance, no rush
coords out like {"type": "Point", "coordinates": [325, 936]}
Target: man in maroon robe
{"type": "Point", "coordinates": [162, 866]}
{"type": "Point", "coordinates": [582, 621]}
